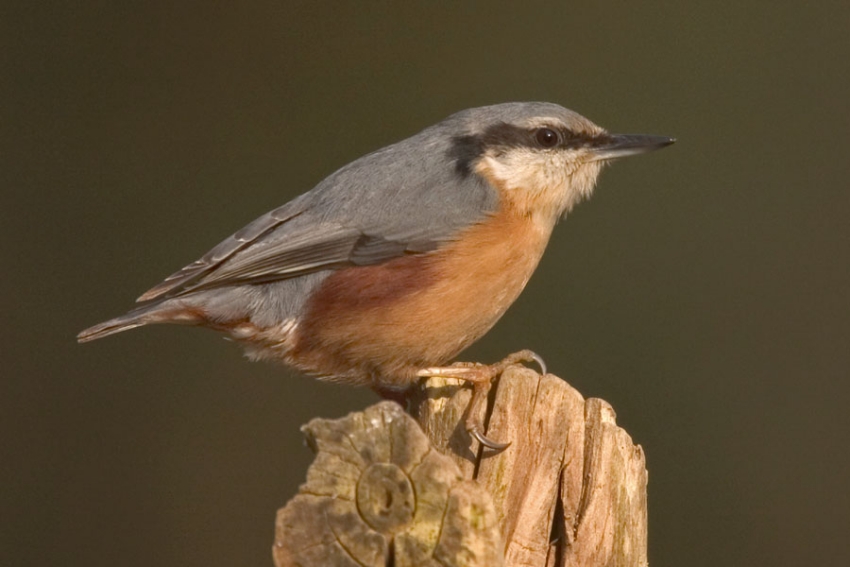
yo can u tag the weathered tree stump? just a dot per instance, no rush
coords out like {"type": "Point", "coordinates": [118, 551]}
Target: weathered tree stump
{"type": "Point", "coordinates": [376, 490]}
{"type": "Point", "coordinates": [569, 491]}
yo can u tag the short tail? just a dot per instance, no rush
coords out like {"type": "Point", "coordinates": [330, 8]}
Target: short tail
{"type": "Point", "coordinates": [159, 312]}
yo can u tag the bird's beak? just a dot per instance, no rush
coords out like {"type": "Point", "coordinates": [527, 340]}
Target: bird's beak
{"type": "Point", "coordinates": [610, 146]}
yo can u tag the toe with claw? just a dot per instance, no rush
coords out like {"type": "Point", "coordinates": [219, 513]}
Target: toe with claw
{"type": "Point", "coordinates": [481, 377]}
{"type": "Point", "coordinates": [486, 441]}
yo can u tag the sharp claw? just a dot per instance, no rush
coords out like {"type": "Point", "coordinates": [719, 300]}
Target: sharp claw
{"type": "Point", "coordinates": [481, 377]}
{"type": "Point", "coordinates": [489, 443]}
{"type": "Point", "coordinates": [539, 360]}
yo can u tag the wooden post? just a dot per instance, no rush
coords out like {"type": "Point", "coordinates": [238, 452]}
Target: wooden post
{"type": "Point", "coordinates": [569, 491]}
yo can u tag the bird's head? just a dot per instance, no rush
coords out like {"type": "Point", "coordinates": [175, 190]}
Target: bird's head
{"type": "Point", "coordinates": [542, 158]}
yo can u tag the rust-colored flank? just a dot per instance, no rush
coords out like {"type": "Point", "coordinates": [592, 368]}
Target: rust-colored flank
{"type": "Point", "coordinates": [388, 320]}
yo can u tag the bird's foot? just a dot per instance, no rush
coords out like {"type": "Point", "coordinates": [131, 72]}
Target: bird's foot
{"type": "Point", "coordinates": [481, 377]}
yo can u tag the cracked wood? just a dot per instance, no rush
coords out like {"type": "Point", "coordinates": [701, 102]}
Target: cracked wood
{"type": "Point", "coordinates": [570, 491]}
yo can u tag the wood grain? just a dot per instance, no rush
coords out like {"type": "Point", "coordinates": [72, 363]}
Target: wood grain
{"type": "Point", "coordinates": [569, 491]}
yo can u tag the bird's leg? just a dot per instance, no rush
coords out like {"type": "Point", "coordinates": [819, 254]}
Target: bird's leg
{"type": "Point", "coordinates": [481, 377]}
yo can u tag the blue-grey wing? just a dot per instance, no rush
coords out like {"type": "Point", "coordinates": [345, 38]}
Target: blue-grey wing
{"type": "Point", "coordinates": [407, 198]}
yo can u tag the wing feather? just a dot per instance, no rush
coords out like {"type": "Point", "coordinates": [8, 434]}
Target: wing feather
{"type": "Point", "coordinates": [398, 200]}
{"type": "Point", "coordinates": [182, 279]}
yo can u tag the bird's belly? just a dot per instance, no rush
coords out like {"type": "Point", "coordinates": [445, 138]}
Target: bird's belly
{"type": "Point", "coordinates": [379, 324]}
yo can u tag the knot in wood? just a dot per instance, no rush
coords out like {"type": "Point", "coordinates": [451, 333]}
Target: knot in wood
{"type": "Point", "coordinates": [385, 498]}
{"type": "Point", "coordinates": [378, 494]}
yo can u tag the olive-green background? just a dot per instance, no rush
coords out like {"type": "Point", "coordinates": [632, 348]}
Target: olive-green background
{"type": "Point", "coordinates": [703, 291]}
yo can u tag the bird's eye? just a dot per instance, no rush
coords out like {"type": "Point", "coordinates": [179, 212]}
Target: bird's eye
{"type": "Point", "coordinates": [547, 137]}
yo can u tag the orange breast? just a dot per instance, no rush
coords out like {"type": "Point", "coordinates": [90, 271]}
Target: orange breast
{"type": "Point", "coordinates": [382, 323]}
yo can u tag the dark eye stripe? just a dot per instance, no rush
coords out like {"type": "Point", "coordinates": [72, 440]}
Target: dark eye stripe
{"type": "Point", "coordinates": [465, 150]}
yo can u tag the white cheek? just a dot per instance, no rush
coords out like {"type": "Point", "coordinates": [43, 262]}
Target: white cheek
{"type": "Point", "coordinates": [550, 184]}
{"type": "Point", "coordinates": [514, 171]}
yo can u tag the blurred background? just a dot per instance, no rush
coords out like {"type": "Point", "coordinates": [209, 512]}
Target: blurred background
{"type": "Point", "coordinates": [703, 291]}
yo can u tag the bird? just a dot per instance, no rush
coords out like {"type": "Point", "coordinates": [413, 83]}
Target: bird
{"type": "Point", "coordinates": [390, 267]}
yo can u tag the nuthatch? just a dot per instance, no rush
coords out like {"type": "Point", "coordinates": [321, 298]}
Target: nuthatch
{"type": "Point", "coordinates": [390, 267]}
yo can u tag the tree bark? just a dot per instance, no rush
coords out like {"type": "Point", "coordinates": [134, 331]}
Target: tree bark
{"type": "Point", "coordinates": [570, 490]}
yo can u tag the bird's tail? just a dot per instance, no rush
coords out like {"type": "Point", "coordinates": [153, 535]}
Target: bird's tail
{"type": "Point", "coordinates": [159, 312]}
